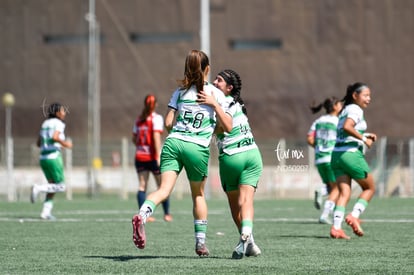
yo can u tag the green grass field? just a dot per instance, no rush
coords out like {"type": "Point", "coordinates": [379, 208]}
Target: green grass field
{"type": "Point", "coordinates": [95, 236]}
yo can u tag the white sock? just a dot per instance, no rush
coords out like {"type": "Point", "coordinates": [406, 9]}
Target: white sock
{"type": "Point", "coordinates": [327, 208]}
{"type": "Point", "coordinates": [358, 209]}
{"type": "Point", "coordinates": [146, 211]}
{"type": "Point", "coordinates": [246, 230]}
{"type": "Point", "coordinates": [338, 219]}
{"type": "Point", "coordinates": [47, 209]}
{"type": "Point", "coordinates": [324, 190]}
{"type": "Point", "coordinates": [50, 188]}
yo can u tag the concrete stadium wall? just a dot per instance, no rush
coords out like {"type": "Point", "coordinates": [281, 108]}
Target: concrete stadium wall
{"type": "Point", "coordinates": [324, 46]}
{"type": "Point", "coordinates": [275, 183]}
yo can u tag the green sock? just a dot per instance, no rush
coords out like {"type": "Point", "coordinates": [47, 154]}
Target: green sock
{"type": "Point", "coordinates": [147, 208]}
{"type": "Point", "coordinates": [200, 230]}
{"type": "Point", "coordinates": [246, 227]}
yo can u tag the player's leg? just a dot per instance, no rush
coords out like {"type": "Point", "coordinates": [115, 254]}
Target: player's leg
{"type": "Point", "coordinates": [143, 175]}
{"type": "Point", "coordinates": [322, 189]}
{"type": "Point", "coordinates": [344, 185]}
{"type": "Point", "coordinates": [200, 214]}
{"type": "Point", "coordinates": [365, 179]}
{"type": "Point", "coordinates": [368, 191]}
{"type": "Point", "coordinates": [171, 166]}
{"type": "Point", "coordinates": [329, 203]}
{"type": "Point", "coordinates": [166, 203]}
{"type": "Point", "coordinates": [54, 171]}
{"type": "Point", "coordinates": [333, 193]}
{"type": "Point", "coordinates": [168, 179]}
{"type": "Point", "coordinates": [357, 168]}
{"type": "Point", "coordinates": [195, 160]}
{"type": "Point", "coordinates": [247, 167]}
{"type": "Point", "coordinates": [246, 244]}
{"type": "Point", "coordinates": [233, 200]}
{"type": "Point", "coordinates": [142, 191]}
{"type": "Point", "coordinates": [142, 187]}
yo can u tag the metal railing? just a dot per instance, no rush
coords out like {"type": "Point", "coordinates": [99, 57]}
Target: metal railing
{"type": "Point", "coordinates": [288, 167]}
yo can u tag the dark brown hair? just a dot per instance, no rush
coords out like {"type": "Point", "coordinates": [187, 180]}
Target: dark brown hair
{"type": "Point", "coordinates": [233, 78]}
{"type": "Point", "coordinates": [328, 104]}
{"type": "Point", "coordinates": [357, 87]}
{"type": "Point", "coordinates": [195, 65]}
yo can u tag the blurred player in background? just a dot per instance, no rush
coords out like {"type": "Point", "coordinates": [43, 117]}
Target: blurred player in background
{"type": "Point", "coordinates": [51, 139]}
{"type": "Point", "coordinates": [239, 154]}
{"type": "Point", "coordinates": [322, 137]}
{"type": "Point", "coordinates": [146, 136]}
{"type": "Point", "coordinates": [191, 120]}
{"type": "Point", "coordinates": [348, 161]}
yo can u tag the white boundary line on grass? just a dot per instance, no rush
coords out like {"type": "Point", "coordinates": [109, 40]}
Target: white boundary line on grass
{"type": "Point", "coordinates": [314, 220]}
{"type": "Point", "coordinates": [122, 220]}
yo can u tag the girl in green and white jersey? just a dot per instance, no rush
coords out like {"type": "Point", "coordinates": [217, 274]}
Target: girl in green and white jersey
{"type": "Point", "coordinates": [191, 120]}
{"type": "Point", "coordinates": [348, 161]}
{"type": "Point", "coordinates": [51, 139]}
{"type": "Point", "coordinates": [322, 136]}
{"type": "Point", "coordinates": [239, 154]}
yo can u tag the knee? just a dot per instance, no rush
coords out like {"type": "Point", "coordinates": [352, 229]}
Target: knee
{"type": "Point", "coordinates": [197, 191]}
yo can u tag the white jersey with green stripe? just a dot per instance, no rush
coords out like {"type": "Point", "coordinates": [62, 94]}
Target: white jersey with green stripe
{"type": "Point", "coordinates": [324, 131]}
{"type": "Point", "coordinates": [344, 141]}
{"type": "Point", "coordinates": [195, 122]}
{"type": "Point", "coordinates": [49, 149]}
{"type": "Point", "coordinates": [240, 139]}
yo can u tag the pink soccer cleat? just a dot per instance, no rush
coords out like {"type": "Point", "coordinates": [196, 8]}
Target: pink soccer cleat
{"type": "Point", "coordinates": [138, 232]}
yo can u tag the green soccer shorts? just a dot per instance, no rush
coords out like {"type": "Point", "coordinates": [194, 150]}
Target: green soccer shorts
{"type": "Point", "coordinates": [326, 173]}
{"type": "Point", "coordinates": [177, 154]}
{"type": "Point", "coordinates": [241, 168]}
{"type": "Point", "coordinates": [352, 164]}
{"type": "Point", "coordinates": [53, 169]}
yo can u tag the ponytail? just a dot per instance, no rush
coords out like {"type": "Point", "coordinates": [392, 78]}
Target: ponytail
{"type": "Point", "coordinates": [195, 66]}
{"type": "Point", "coordinates": [328, 104]}
{"type": "Point", "coordinates": [149, 107]}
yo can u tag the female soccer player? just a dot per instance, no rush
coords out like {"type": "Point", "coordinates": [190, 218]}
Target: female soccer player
{"type": "Point", "coordinates": [348, 160]}
{"type": "Point", "coordinates": [322, 136]}
{"type": "Point", "coordinates": [240, 155]}
{"type": "Point", "coordinates": [51, 139]}
{"type": "Point", "coordinates": [191, 119]}
{"type": "Point", "coordinates": [146, 136]}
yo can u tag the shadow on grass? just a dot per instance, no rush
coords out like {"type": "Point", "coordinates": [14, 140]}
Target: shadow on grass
{"type": "Point", "coordinates": [125, 258]}
{"type": "Point", "coordinates": [304, 236]}
{"type": "Point", "coordinates": [301, 222]}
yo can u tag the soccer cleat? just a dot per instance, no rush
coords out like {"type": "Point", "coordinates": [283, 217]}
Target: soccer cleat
{"type": "Point", "coordinates": [201, 249]}
{"type": "Point", "coordinates": [252, 250]}
{"type": "Point", "coordinates": [138, 232]}
{"type": "Point", "coordinates": [240, 249]}
{"type": "Point", "coordinates": [33, 194]}
{"type": "Point", "coordinates": [325, 220]}
{"type": "Point", "coordinates": [48, 218]}
{"type": "Point", "coordinates": [339, 234]}
{"type": "Point", "coordinates": [354, 223]}
{"type": "Point", "coordinates": [317, 201]}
